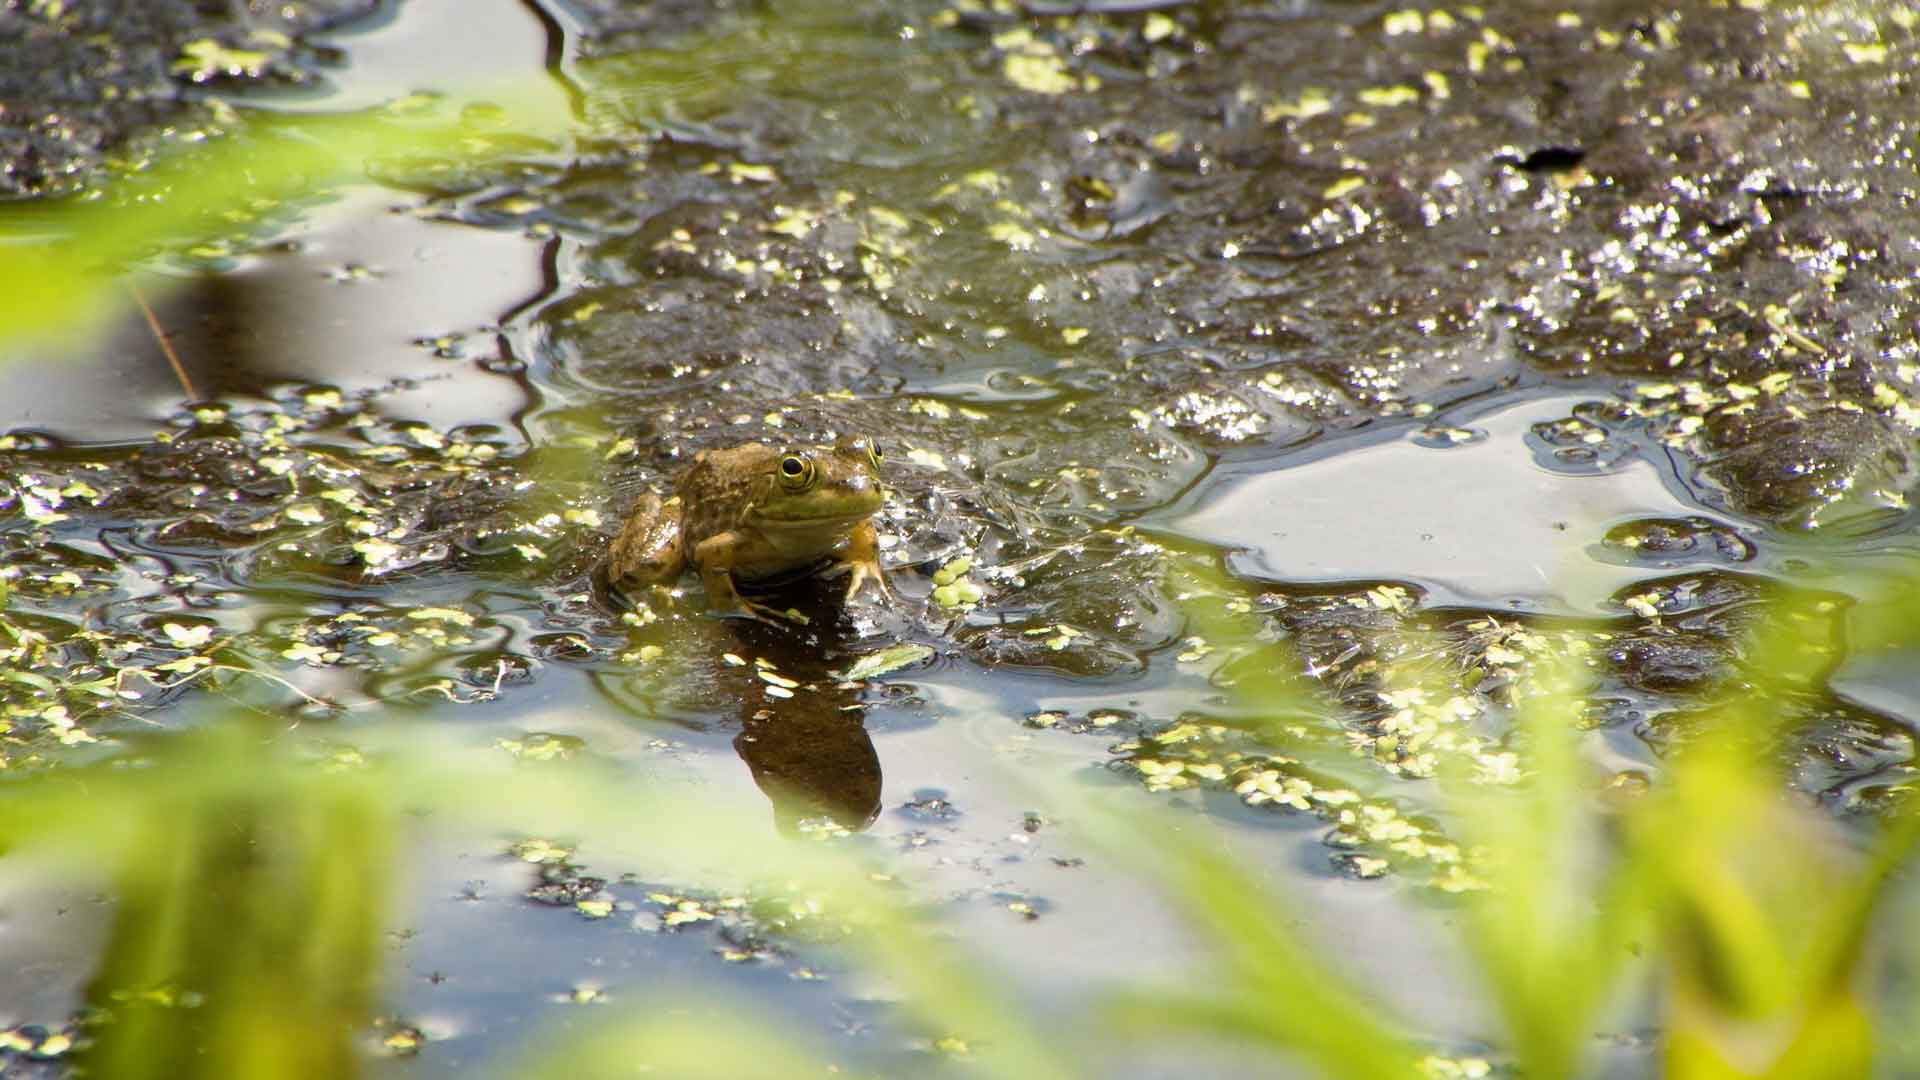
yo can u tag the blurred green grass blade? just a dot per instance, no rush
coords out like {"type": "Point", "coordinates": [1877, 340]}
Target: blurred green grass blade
{"type": "Point", "coordinates": [1268, 987]}
{"type": "Point", "coordinates": [1263, 1020]}
{"type": "Point", "coordinates": [1833, 1039]}
{"type": "Point", "coordinates": [1765, 912]}
{"type": "Point", "coordinates": [1551, 930]}
{"type": "Point", "coordinates": [955, 997]}
{"type": "Point", "coordinates": [60, 262]}
{"type": "Point", "coordinates": [258, 959]}
{"type": "Point", "coordinates": [1724, 933]}
{"type": "Point", "coordinates": [250, 892]}
{"type": "Point", "coordinates": [948, 992]}
{"type": "Point", "coordinates": [687, 1038]}
{"type": "Point", "coordinates": [1887, 618]}
{"type": "Point", "coordinates": [1277, 688]}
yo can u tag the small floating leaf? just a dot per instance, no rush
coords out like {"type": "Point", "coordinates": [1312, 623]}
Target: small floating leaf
{"type": "Point", "coordinates": [891, 658]}
{"type": "Point", "coordinates": [377, 552]}
{"type": "Point", "coordinates": [187, 637]}
{"type": "Point", "coordinates": [1040, 73]}
{"type": "Point", "coordinates": [205, 58]}
{"type": "Point", "coordinates": [1865, 53]}
{"type": "Point", "coordinates": [961, 593]}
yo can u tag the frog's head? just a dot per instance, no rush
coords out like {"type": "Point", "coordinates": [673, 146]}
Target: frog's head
{"type": "Point", "coordinates": [821, 485]}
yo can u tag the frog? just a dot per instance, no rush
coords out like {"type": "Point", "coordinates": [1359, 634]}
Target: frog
{"type": "Point", "coordinates": [754, 512]}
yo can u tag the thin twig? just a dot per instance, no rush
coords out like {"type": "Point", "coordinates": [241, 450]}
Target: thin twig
{"type": "Point", "coordinates": [271, 677]}
{"type": "Point", "coordinates": [166, 346]}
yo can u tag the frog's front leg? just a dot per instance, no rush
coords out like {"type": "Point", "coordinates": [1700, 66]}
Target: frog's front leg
{"type": "Point", "coordinates": [862, 559]}
{"type": "Point", "coordinates": [714, 556]}
{"type": "Point", "coordinates": [648, 550]}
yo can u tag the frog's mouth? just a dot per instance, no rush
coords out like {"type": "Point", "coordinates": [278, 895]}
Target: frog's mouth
{"type": "Point", "coordinates": [846, 520]}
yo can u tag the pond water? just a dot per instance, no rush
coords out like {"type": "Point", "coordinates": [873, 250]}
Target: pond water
{"type": "Point", "coordinates": [1120, 297]}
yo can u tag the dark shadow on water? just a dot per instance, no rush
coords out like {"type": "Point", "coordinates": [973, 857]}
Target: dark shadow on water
{"type": "Point", "coordinates": [802, 730]}
{"type": "Point", "coordinates": [809, 753]}
{"type": "Point", "coordinates": [818, 765]}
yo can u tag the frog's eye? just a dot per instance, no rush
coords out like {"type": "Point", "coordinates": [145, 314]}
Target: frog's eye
{"type": "Point", "coordinates": [796, 472]}
{"type": "Point", "coordinates": [874, 453]}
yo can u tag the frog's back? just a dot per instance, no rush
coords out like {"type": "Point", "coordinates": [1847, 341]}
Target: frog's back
{"type": "Point", "coordinates": [719, 486]}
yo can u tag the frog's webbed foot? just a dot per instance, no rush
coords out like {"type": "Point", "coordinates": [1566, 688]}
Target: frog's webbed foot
{"type": "Point", "coordinates": [727, 602]}
{"type": "Point", "coordinates": [862, 572]}
{"type": "Point", "coordinates": [862, 560]}
{"type": "Point", "coordinates": [761, 613]}
{"type": "Point", "coordinates": [723, 597]}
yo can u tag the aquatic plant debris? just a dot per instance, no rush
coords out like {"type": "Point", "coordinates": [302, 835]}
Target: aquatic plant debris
{"type": "Point", "coordinates": [885, 661]}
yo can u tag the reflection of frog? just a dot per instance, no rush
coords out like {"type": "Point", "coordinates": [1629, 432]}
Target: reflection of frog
{"type": "Point", "coordinates": [815, 761]}
{"type": "Point", "coordinates": [752, 512]}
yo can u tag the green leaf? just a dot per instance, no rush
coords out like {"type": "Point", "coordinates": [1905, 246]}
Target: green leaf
{"type": "Point", "coordinates": [892, 658]}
